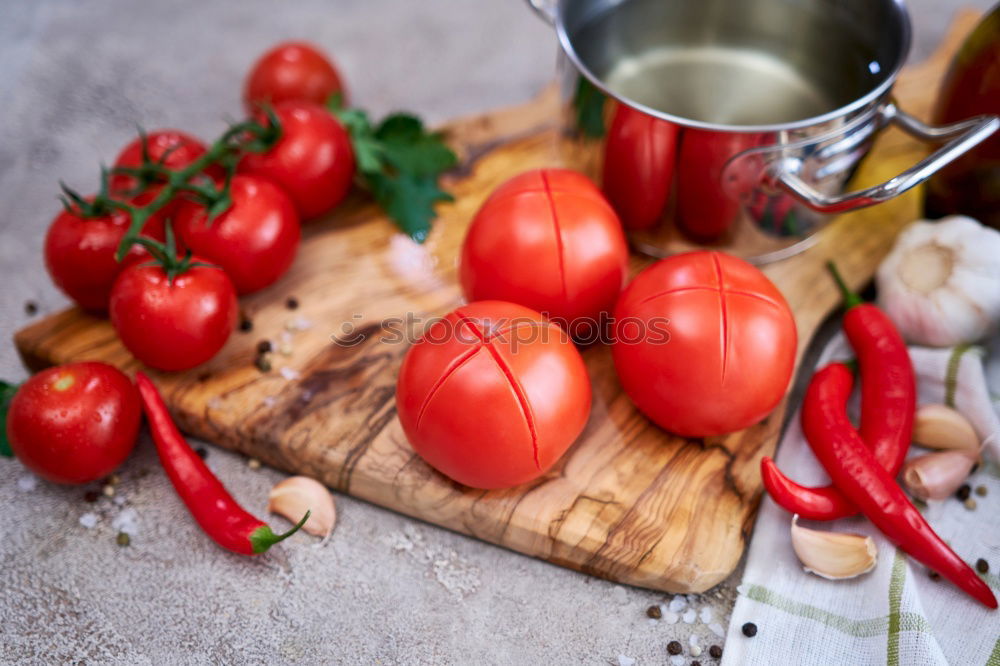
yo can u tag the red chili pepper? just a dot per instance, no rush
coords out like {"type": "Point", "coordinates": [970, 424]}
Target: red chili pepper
{"type": "Point", "coordinates": [888, 403]}
{"type": "Point", "coordinates": [206, 498]}
{"type": "Point", "coordinates": [857, 473]}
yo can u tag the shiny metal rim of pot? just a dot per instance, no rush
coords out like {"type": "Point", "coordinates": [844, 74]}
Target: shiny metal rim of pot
{"type": "Point", "coordinates": [779, 167]}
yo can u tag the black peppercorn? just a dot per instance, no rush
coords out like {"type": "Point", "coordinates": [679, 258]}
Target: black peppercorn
{"type": "Point", "coordinates": [292, 303]}
{"type": "Point", "coordinates": [982, 566]}
{"type": "Point", "coordinates": [674, 647]}
{"type": "Point", "coordinates": [91, 496]}
{"type": "Point", "coordinates": [963, 492]}
{"type": "Point", "coordinates": [695, 663]}
{"type": "Point", "coordinates": [202, 452]}
{"type": "Point", "coordinates": [749, 629]}
{"type": "Point", "coordinates": [934, 575]}
{"type": "Point", "coordinates": [245, 324]}
{"type": "Point", "coordinates": [654, 612]}
{"type": "Point", "coordinates": [30, 308]}
{"type": "Point", "coordinates": [123, 539]}
{"type": "Point", "coordinates": [715, 652]}
{"type": "Point", "coordinates": [263, 363]}
{"type": "Point", "coordinates": [263, 346]}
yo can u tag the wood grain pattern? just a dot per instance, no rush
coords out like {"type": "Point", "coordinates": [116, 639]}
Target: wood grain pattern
{"type": "Point", "coordinates": [628, 502]}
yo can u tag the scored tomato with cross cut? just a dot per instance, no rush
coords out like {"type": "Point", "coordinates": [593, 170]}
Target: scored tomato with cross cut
{"type": "Point", "coordinates": [704, 343]}
{"type": "Point", "coordinates": [493, 394]}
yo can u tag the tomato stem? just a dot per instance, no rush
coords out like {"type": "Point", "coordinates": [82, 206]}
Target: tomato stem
{"type": "Point", "coordinates": [249, 136]}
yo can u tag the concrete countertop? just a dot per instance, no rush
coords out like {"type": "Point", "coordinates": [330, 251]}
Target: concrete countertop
{"type": "Point", "coordinates": [75, 79]}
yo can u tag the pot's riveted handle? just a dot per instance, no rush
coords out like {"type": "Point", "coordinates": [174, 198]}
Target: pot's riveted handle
{"type": "Point", "coordinates": [546, 9]}
{"type": "Point", "coordinates": [964, 135]}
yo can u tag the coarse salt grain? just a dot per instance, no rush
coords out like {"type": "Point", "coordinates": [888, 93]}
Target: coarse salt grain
{"type": "Point", "coordinates": [677, 660]}
{"type": "Point", "coordinates": [88, 520]}
{"type": "Point", "coordinates": [693, 639]}
{"type": "Point", "coordinates": [689, 616]}
{"type": "Point", "coordinates": [270, 401]}
{"type": "Point", "coordinates": [289, 373]}
{"type": "Point", "coordinates": [695, 651]}
{"type": "Point", "coordinates": [705, 615]}
{"type": "Point", "coordinates": [620, 594]}
{"type": "Point", "coordinates": [625, 661]}
{"type": "Point", "coordinates": [27, 483]}
{"type": "Point", "coordinates": [717, 629]}
{"type": "Point", "coordinates": [677, 604]}
{"type": "Point", "coordinates": [127, 521]}
{"type": "Point", "coordinates": [671, 618]}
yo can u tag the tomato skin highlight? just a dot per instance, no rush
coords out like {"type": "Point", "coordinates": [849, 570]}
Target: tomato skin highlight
{"type": "Point", "coordinates": [730, 349]}
{"type": "Point", "coordinates": [74, 423]}
{"type": "Point", "coordinates": [638, 171]}
{"type": "Point", "coordinates": [292, 71]}
{"type": "Point", "coordinates": [80, 254]}
{"type": "Point", "coordinates": [312, 161]}
{"type": "Point", "coordinates": [254, 241]}
{"type": "Point", "coordinates": [173, 325]}
{"type": "Point", "coordinates": [489, 407]}
{"type": "Point", "coordinates": [547, 239]}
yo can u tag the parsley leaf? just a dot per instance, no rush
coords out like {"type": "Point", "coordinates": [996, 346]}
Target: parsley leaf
{"type": "Point", "coordinates": [588, 101]}
{"type": "Point", "coordinates": [400, 162]}
{"type": "Point", "coordinates": [7, 392]}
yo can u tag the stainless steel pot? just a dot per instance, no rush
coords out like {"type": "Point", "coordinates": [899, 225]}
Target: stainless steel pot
{"type": "Point", "coordinates": [740, 120]}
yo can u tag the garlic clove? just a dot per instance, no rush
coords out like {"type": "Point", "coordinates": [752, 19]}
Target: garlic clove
{"type": "Point", "coordinates": [833, 555]}
{"type": "Point", "coordinates": [937, 475]}
{"type": "Point", "coordinates": [943, 428]}
{"type": "Point", "coordinates": [295, 495]}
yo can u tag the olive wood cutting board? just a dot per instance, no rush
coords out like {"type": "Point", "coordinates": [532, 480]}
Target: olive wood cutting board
{"type": "Point", "coordinates": [628, 501]}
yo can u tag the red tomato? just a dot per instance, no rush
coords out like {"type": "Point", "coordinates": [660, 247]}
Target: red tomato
{"type": "Point", "coordinates": [292, 71]}
{"type": "Point", "coordinates": [493, 394]}
{"type": "Point", "coordinates": [312, 161]}
{"type": "Point", "coordinates": [173, 148]}
{"type": "Point", "coordinates": [254, 241]}
{"type": "Point", "coordinates": [704, 210]}
{"type": "Point", "coordinates": [547, 239]}
{"type": "Point", "coordinates": [80, 254]}
{"type": "Point", "coordinates": [74, 423]}
{"type": "Point", "coordinates": [704, 343]}
{"type": "Point", "coordinates": [639, 160]}
{"type": "Point", "coordinates": [173, 325]}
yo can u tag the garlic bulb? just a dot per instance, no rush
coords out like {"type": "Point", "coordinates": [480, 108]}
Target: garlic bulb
{"type": "Point", "coordinates": [940, 284]}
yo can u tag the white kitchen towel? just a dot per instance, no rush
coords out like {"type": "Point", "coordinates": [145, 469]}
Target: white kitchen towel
{"type": "Point", "coordinates": [896, 614]}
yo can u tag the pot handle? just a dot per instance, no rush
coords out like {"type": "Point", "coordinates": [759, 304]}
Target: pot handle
{"type": "Point", "coordinates": [964, 135]}
{"type": "Point", "coordinates": [546, 9]}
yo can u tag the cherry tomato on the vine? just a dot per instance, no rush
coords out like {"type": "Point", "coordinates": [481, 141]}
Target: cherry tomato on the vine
{"type": "Point", "coordinates": [292, 71]}
{"type": "Point", "coordinates": [173, 324]}
{"type": "Point", "coordinates": [547, 239]}
{"type": "Point", "coordinates": [493, 394]}
{"type": "Point", "coordinates": [80, 254]}
{"type": "Point", "coordinates": [704, 343]}
{"type": "Point", "coordinates": [74, 423]}
{"type": "Point", "coordinates": [171, 148]}
{"type": "Point", "coordinates": [312, 161]}
{"type": "Point", "coordinates": [254, 241]}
